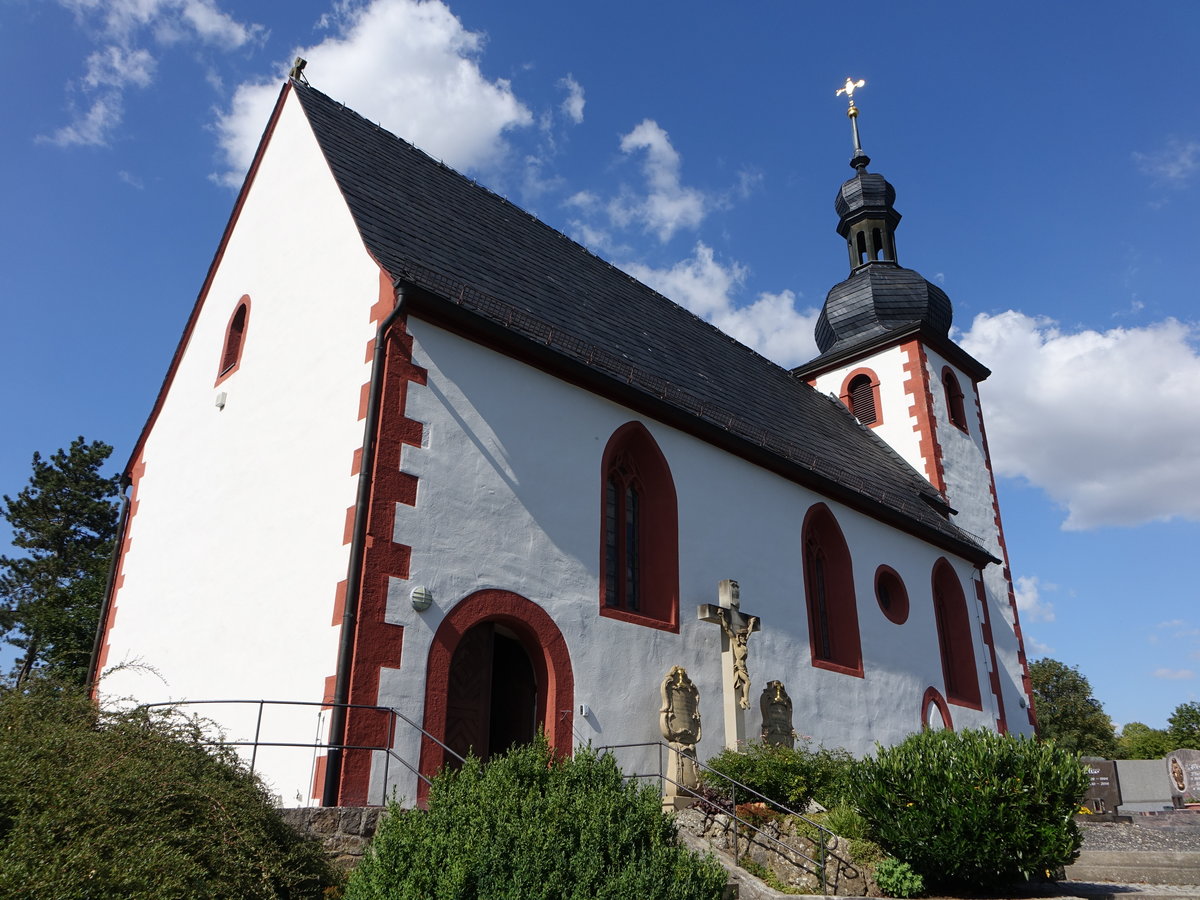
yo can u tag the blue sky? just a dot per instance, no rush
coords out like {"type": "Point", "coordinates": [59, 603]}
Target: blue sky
{"type": "Point", "coordinates": [1046, 159]}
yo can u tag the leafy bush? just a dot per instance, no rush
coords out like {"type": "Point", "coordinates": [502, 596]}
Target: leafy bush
{"type": "Point", "coordinates": [833, 776]}
{"type": "Point", "coordinates": [783, 776]}
{"type": "Point", "coordinates": [846, 821]}
{"type": "Point", "coordinates": [786, 777]}
{"type": "Point", "coordinates": [96, 803]}
{"type": "Point", "coordinates": [532, 826]}
{"type": "Point", "coordinates": [897, 879]}
{"type": "Point", "coordinates": [974, 808]}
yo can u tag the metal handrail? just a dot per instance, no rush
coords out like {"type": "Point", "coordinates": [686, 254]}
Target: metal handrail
{"type": "Point", "coordinates": [824, 849]}
{"type": "Point", "coordinates": [390, 753]}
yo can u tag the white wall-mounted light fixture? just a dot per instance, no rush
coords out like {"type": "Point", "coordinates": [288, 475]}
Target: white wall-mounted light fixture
{"type": "Point", "coordinates": [421, 598]}
{"type": "Point", "coordinates": [221, 398]}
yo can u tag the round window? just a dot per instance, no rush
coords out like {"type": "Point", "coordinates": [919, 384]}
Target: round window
{"type": "Point", "coordinates": [891, 594]}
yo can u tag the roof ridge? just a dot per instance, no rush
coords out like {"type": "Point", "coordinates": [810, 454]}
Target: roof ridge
{"type": "Point", "coordinates": [516, 206]}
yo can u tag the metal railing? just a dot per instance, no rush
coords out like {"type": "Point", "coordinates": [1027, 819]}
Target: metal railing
{"type": "Point", "coordinates": [824, 847]}
{"type": "Point", "coordinates": [387, 748]}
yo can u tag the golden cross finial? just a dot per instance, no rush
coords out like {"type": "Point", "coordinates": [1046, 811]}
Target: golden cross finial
{"type": "Point", "coordinates": [848, 89]}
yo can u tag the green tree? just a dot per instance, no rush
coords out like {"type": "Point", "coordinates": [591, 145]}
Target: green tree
{"type": "Point", "coordinates": [1067, 713]}
{"type": "Point", "coordinates": [1138, 741]}
{"type": "Point", "coordinates": [65, 521]}
{"type": "Point", "coordinates": [133, 804]}
{"type": "Point", "coordinates": [1184, 726]}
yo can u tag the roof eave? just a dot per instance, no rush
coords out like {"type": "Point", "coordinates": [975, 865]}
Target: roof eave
{"type": "Point", "coordinates": [446, 313]}
{"type": "Point", "coordinates": [972, 367]}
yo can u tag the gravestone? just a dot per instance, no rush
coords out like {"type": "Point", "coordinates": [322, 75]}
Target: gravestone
{"type": "Point", "coordinates": [1104, 790]}
{"type": "Point", "coordinates": [1183, 776]}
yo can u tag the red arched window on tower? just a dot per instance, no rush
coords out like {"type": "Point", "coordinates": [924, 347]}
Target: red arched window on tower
{"type": "Point", "coordinates": [829, 593]}
{"type": "Point", "coordinates": [235, 339]}
{"type": "Point", "coordinates": [639, 534]}
{"type": "Point", "coordinates": [954, 637]}
{"type": "Point", "coordinates": [860, 394]}
{"type": "Point", "coordinates": [954, 399]}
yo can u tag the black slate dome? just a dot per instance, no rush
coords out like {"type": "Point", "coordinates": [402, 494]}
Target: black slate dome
{"type": "Point", "coordinates": [866, 190]}
{"type": "Point", "coordinates": [880, 295]}
{"type": "Point", "coordinates": [879, 298]}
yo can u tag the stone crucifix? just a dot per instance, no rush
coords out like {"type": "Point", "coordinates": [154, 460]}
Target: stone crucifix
{"type": "Point", "coordinates": [736, 628]}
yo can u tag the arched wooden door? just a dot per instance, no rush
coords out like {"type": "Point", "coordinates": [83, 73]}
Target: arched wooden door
{"type": "Point", "coordinates": [498, 670]}
{"type": "Point", "coordinates": [491, 702]}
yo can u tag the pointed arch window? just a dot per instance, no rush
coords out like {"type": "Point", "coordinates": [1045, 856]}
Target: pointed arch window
{"type": "Point", "coordinates": [860, 394]}
{"type": "Point", "coordinates": [235, 339]}
{"type": "Point", "coordinates": [829, 595]}
{"type": "Point", "coordinates": [639, 546]}
{"type": "Point", "coordinates": [954, 637]}
{"type": "Point", "coordinates": [954, 399]}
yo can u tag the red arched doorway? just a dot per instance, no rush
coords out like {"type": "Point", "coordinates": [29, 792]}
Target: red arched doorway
{"type": "Point", "coordinates": [498, 670]}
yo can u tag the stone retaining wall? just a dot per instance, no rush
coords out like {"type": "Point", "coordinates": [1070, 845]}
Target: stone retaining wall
{"type": "Point", "coordinates": [345, 831]}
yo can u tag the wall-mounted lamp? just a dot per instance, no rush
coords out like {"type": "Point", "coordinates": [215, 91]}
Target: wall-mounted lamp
{"type": "Point", "coordinates": [221, 398]}
{"type": "Point", "coordinates": [421, 598]}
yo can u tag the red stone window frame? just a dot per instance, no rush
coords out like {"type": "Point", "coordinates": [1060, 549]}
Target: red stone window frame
{"type": "Point", "coordinates": [860, 394]}
{"type": "Point", "coordinates": [954, 400]}
{"type": "Point", "coordinates": [639, 532]}
{"type": "Point", "coordinates": [931, 701]}
{"type": "Point", "coordinates": [833, 633]}
{"type": "Point", "coordinates": [891, 594]}
{"type": "Point", "coordinates": [954, 637]}
{"type": "Point", "coordinates": [235, 339]}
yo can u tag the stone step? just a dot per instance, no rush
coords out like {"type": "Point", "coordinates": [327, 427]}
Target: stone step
{"type": "Point", "coordinates": [1136, 866]}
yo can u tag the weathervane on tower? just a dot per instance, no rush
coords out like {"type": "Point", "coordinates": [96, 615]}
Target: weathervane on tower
{"type": "Point", "coordinates": [848, 89]}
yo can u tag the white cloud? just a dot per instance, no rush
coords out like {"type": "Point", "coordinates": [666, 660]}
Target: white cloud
{"type": "Point", "coordinates": [772, 324]}
{"type": "Point", "coordinates": [410, 66]}
{"type": "Point", "coordinates": [115, 66]}
{"type": "Point", "coordinates": [667, 206]}
{"type": "Point", "coordinates": [1029, 600]}
{"type": "Point", "coordinates": [1035, 647]}
{"type": "Point", "coordinates": [1174, 165]}
{"type": "Point", "coordinates": [121, 28]}
{"type": "Point", "coordinates": [91, 128]}
{"type": "Point", "coordinates": [1106, 423]}
{"type": "Point", "coordinates": [1174, 674]}
{"type": "Point", "coordinates": [572, 107]}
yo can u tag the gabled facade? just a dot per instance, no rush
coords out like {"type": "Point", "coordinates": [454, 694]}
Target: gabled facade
{"type": "Point", "coordinates": [417, 450]}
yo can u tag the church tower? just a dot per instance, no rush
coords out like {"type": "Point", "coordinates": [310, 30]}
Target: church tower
{"type": "Point", "coordinates": [887, 355]}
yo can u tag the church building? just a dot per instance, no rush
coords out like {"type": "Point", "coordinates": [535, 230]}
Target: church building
{"type": "Point", "coordinates": [426, 473]}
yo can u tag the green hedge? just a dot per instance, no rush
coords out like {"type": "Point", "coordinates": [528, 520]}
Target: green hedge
{"type": "Point", "coordinates": [786, 777]}
{"type": "Point", "coordinates": [532, 826]}
{"type": "Point", "coordinates": [131, 805]}
{"type": "Point", "coordinates": [974, 808]}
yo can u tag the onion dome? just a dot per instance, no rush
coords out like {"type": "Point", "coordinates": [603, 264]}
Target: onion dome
{"type": "Point", "coordinates": [880, 295]}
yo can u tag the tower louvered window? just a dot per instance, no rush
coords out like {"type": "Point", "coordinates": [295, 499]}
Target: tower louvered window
{"type": "Point", "coordinates": [862, 400]}
{"type": "Point", "coordinates": [954, 399]}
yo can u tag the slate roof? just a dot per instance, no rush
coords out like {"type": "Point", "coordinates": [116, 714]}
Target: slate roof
{"type": "Point", "coordinates": [500, 266]}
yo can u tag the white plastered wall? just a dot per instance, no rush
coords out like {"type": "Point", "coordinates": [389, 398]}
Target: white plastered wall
{"type": "Point", "coordinates": [508, 498]}
{"type": "Point", "coordinates": [899, 426]}
{"type": "Point", "coordinates": [969, 486]}
{"type": "Point", "coordinates": [237, 542]}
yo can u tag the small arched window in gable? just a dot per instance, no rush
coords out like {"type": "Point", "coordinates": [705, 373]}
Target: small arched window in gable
{"type": "Point", "coordinates": [954, 637]}
{"type": "Point", "coordinates": [829, 595]}
{"type": "Point", "coordinates": [235, 339]}
{"type": "Point", "coordinates": [954, 399]}
{"type": "Point", "coordinates": [639, 549]}
{"type": "Point", "coordinates": [860, 394]}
